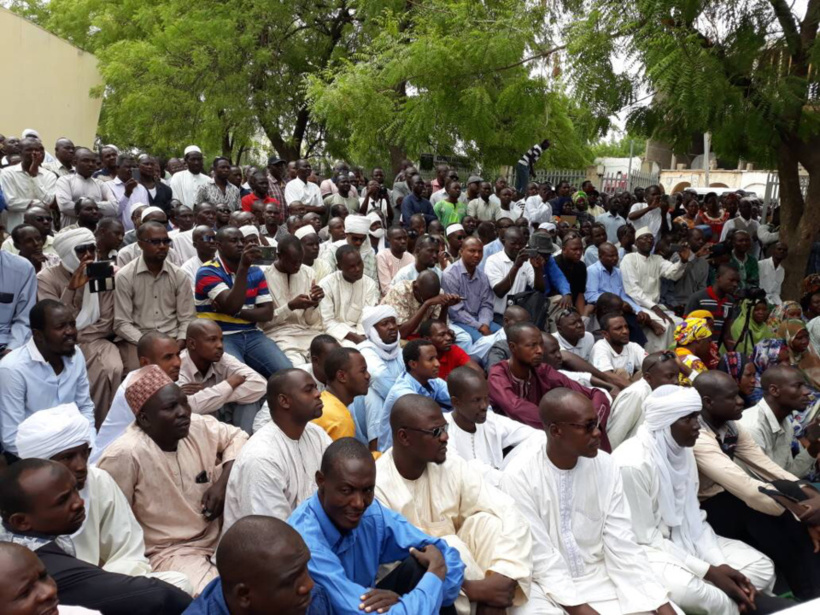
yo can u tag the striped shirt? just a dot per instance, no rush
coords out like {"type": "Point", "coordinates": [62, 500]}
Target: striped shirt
{"type": "Point", "coordinates": [531, 156]}
{"type": "Point", "coordinates": [212, 279]}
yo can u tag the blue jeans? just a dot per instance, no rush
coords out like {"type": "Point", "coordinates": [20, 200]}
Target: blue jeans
{"type": "Point", "coordinates": [522, 177]}
{"type": "Point", "coordinates": [257, 351]}
{"type": "Point", "coordinates": [475, 334]}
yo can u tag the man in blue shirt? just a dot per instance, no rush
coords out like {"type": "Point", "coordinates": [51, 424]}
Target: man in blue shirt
{"type": "Point", "coordinates": [421, 377]}
{"type": "Point", "coordinates": [350, 535]}
{"type": "Point", "coordinates": [263, 568]}
{"type": "Point", "coordinates": [18, 294]}
{"type": "Point", "coordinates": [415, 203]}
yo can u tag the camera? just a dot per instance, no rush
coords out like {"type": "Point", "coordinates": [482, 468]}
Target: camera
{"type": "Point", "coordinates": [752, 293]}
{"type": "Point", "coordinates": [268, 255]}
{"type": "Point", "coordinates": [100, 276]}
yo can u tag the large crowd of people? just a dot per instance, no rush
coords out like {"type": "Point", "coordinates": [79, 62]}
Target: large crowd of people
{"type": "Point", "coordinates": [258, 391]}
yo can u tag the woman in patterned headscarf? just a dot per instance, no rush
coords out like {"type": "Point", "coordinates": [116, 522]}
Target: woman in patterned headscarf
{"type": "Point", "coordinates": [742, 370]}
{"type": "Point", "coordinates": [693, 341]}
{"type": "Point", "coordinates": [810, 296]}
{"type": "Point", "coordinates": [766, 354]}
{"type": "Point", "coordinates": [788, 310]}
{"type": "Point", "coordinates": [803, 357]}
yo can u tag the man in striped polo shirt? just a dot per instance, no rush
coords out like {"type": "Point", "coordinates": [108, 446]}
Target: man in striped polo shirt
{"type": "Point", "coordinates": [232, 292]}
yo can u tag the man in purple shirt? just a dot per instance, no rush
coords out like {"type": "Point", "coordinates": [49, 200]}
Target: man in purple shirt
{"type": "Point", "coordinates": [463, 278]}
{"type": "Point", "coordinates": [518, 384]}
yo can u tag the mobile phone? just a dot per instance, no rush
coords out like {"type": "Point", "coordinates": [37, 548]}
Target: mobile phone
{"type": "Point", "coordinates": [268, 255]}
{"type": "Point", "coordinates": [100, 276]}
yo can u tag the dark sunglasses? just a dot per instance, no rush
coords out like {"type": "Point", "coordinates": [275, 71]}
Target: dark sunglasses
{"type": "Point", "coordinates": [435, 432]}
{"type": "Point", "coordinates": [588, 427]}
{"type": "Point", "coordinates": [85, 248]}
{"type": "Point", "coordinates": [167, 241]}
{"type": "Point", "coordinates": [44, 218]}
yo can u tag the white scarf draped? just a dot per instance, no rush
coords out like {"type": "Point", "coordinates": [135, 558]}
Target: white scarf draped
{"type": "Point", "coordinates": [64, 244]}
{"type": "Point", "coordinates": [370, 317]}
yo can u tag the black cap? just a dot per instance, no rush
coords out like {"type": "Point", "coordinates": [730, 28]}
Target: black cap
{"type": "Point", "coordinates": [273, 160]}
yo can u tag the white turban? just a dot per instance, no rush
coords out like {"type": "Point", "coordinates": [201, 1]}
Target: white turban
{"type": "Point", "coordinates": [374, 217]}
{"type": "Point", "coordinates": [192, 148]}
{"type": "Point", "coordinates": [370, 317]}
{"type": "Point", "coordinates": [147, 211]}
{"type": "Point", "coordinates": [454, 228]}
{"type": "Point", "coordinates": [677, 470]}
{"type": "Point", "coordinates": [643, 231]}
{"type": "Point", "coordinates": [248, 230]}
{"type": "Point", "coordinates": [64, 244]}
{"type": "Point", "coordinates": [548, 226]}
{"type": "Point", "coordinates": [30, 132]}
{"type": "Point", "coordinates": [304, 231]}
{"type": "Point", "coordinates": [357, 225]}
{"type": "Point", "coordinates": [49, 432]}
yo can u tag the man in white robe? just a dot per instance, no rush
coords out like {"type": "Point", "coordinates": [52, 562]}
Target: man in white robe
{"type": "Point", "coordinates": [642, 272]}
{"type": "Point", "coordinates": [296, 296]}
{"type": "Point", "coordinates": [357, 234]}
{"type": "Point", "coordinates": [703, 572]}
{"type": "Point", "coordinates": [276, 469]}
{"type": "Point", "coordinates": [347, 292]}
{"type": "Point", "coordinates": [110, 537]}
{"type": "Point", "coordinates": [584, 550]}
{"type": "Point", "coordinates": [445, 497]}
{"type": "Point", "coordinates": [186, 184]}
{"type": "Point", "coordinates": [478, 434]}
{"type": "Point", "coordinates": [626, 415]}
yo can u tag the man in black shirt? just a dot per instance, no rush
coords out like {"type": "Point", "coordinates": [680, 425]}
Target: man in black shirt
{"type": "Point", "coordinates": [573, 268]}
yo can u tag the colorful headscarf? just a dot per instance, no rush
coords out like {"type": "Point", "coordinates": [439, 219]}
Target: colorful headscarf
{"type": "Point", "coordinates": [580, 196]}
{"type": "Point", "coordinates": [810, 285]}
{"type": "Point", "coordinates": [765, 355]}
{"type": "Point", "coordinates": [733, 363]}
{"type": "Point", "coordinates": [781, 313]}
{"type": "Point", "coordinates": [754, 332]}
{"type": "Point", "coordinates": [691, 330]}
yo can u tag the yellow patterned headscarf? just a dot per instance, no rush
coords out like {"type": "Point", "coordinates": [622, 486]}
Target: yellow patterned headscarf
{"type": "Point", "coordinates": [692, 330]}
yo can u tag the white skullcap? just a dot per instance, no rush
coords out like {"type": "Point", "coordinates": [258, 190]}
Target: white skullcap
{"type": "Point", "coordinates": [248, 230]}
{"type": "Point", "coordinates": [66, 241]}
{"type": "Point", "coordinates": [304, 231]}
{"type": "Point", "coordinates": [374, 217]}
{"type": "Point", "coordinates": [454, 228]}
{"type": "Point", "coordinates": [49, 432]}
{"type": "Point", "coordinates": [547, 226]}
{"type": "Point", "coordinates": [148, 211]}
{"type": "Point", "coordinates": [357, 225]}
{"type": "Point", "coordinates": [667, 404]}
{"type": "Point", "coordinates": [643, 231]}
{"type": "Point", "coordinates": [30, 132]}
{"type": "Point", "coordinates": [373, 315]}
{"type": "Point", "coordinates": [192, 148]}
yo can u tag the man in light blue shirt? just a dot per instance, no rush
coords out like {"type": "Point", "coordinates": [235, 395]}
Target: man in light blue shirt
{"type": "Point", "coordinates": [350, 535]}
{"type": "Point", "coordinates": [421, 377]}
{"type": "Point", "coordinates": [18, 294]}
{"type": "Point", "coordinates": [612, 220]}
{"type": "Point", "coordinates": [605, 277]}
{"type": "Point", "coordinates": [46, 372]}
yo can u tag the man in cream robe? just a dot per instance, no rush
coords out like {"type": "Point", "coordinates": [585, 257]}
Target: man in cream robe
{"type": "Point", "coordinates": [347, 292]}
{"type": "Point", "coordinates": [660, 481]}
{"type": "Point", "coordinates": [357, 234]}
{"type": "Point", "coordinates": [110, 537]}
{"type": "Point", "coordinates": [447, 498]}
{"type": "Point", "coordinates": [584, 549]}
{"type": "Point", "coordinates": [94, 313]}
{"type": "Point", "coordinates": [296, 317]}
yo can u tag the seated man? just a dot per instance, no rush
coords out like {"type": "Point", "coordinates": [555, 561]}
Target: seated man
{"type": "Point", "coordinates": [418, 300]}
{"type": "Point", "coordinates": [42, 509]}
{"type": "Point", "coordinates": [133, 250]}
{"type": "Point", "coordinates": [310, 253]}
{"type": "Point", "coordinates": [347, 380]}
{"type": "Point", "coordinates": [731, 498]}
{"type": "Point", "coordinates": [768, 422]}
{"type": "Point", "coordinates": [347, 292]}
{"type": "Point", "coordinates": [173, 468]}
{"type": "Point", "coordinates": [426, 252]}
{"type": "Point", "coordinates": [296, 296]}
{"type": "Point", "coordinates": [93, 313]}
{"type": "Point", "coordinates": [382, 353]}
{"type": "Point", "coordinates": [420, 378]}
{"type": "Point", "coordinates": [28, 243]}
{"type": "Point", "coordinates": [390, 261]}
{"type": "Point", "coordinates": [445, 497]}
{"type": "Point", "coordinates": [474, 314]}
{"type": "Point", "coordinates": [518, 384]}
{"type": "Point", "coordinates": [450, 356]}
{"type": "Point", "coordinates": [626, 415]}
{"type": "Point", "coordinates": [349, 536]}
{"type": "Point", "coordinates": [615, 355]}
{"type": "Point", "coordinates": [515, 270]}
{"type": "Point", "coordinates": [476, 432]}
{"type": "Point", "coordinates": [110, 536]}
{"type": "Point", "coordinates": [151, 294]}
{"type": "Point", "coordinates": [500, 349]}
{"type": "Point", "coordinates": [233, 390]}
{"type": "Point", "coordinates": [276, 469]}
{"type": "Point", "coordinates": [204, 238]}
{"type": "Point", "coordinates": [574, 367]}
{"type": "Point", "coordinates": [233, 292]}
{"type": "Point", "coordinates": [572, 334]}
{"type": "Point", "coordinates": [46, 372]}
{"type": "Point", "coordinates": [357, 229]}
{"type": "Point", "coordinates": [585, 556]}
{"type": "Point", "coordinates": [19, 282]}
{"type": "Point", "coordinates": [262, 564]}
{"type": "Point", "coordinates": [702, 571]}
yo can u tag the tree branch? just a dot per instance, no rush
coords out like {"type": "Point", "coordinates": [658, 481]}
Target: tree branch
{"type": "Point", "coordinates": [786, 19]}
{"type": "Point", "coordinates": [808, 27]}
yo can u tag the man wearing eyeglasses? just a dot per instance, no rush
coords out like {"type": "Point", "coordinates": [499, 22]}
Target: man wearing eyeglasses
{"type": "Point", "coordinates": [40, 218]}
{"type": "Point", "coordinates": [444, 496]}
{"type": "Point", "coordinates": [585, 556]}
{"type": "Point", "coordinates": [151, 294]}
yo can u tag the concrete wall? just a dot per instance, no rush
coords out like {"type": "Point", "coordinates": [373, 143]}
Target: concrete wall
{"type": "Point", "coordinates": [752, 181]}
{"type": "Point", "coordinates": [46, 84]}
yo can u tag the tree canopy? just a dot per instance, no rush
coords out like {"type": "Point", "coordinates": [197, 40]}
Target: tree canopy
{"type": "Point", "coordinates": [369, 80]}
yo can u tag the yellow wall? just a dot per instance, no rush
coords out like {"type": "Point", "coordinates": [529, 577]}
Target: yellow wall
{"type": "Point", "coordinates": [46, 84]}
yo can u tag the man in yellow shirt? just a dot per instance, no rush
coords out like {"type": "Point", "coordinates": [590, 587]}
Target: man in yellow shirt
{"type": "Point", "coordinates": [347, 378]}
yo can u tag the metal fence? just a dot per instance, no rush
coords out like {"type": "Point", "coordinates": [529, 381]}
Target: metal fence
{"type": "Point", "coordinates": [771, 197]}
{"type": "Point", "coordinates": [608, 182]}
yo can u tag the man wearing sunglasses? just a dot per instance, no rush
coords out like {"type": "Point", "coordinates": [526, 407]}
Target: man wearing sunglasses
{"type": "Point", "coordinates": [445, 496]}
{"type": "Point", "coordinates": [585, 556]}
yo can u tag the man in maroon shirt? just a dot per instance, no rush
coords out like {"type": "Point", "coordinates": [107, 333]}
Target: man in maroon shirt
{"type": "Point", "coordinates": [518, 384]}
